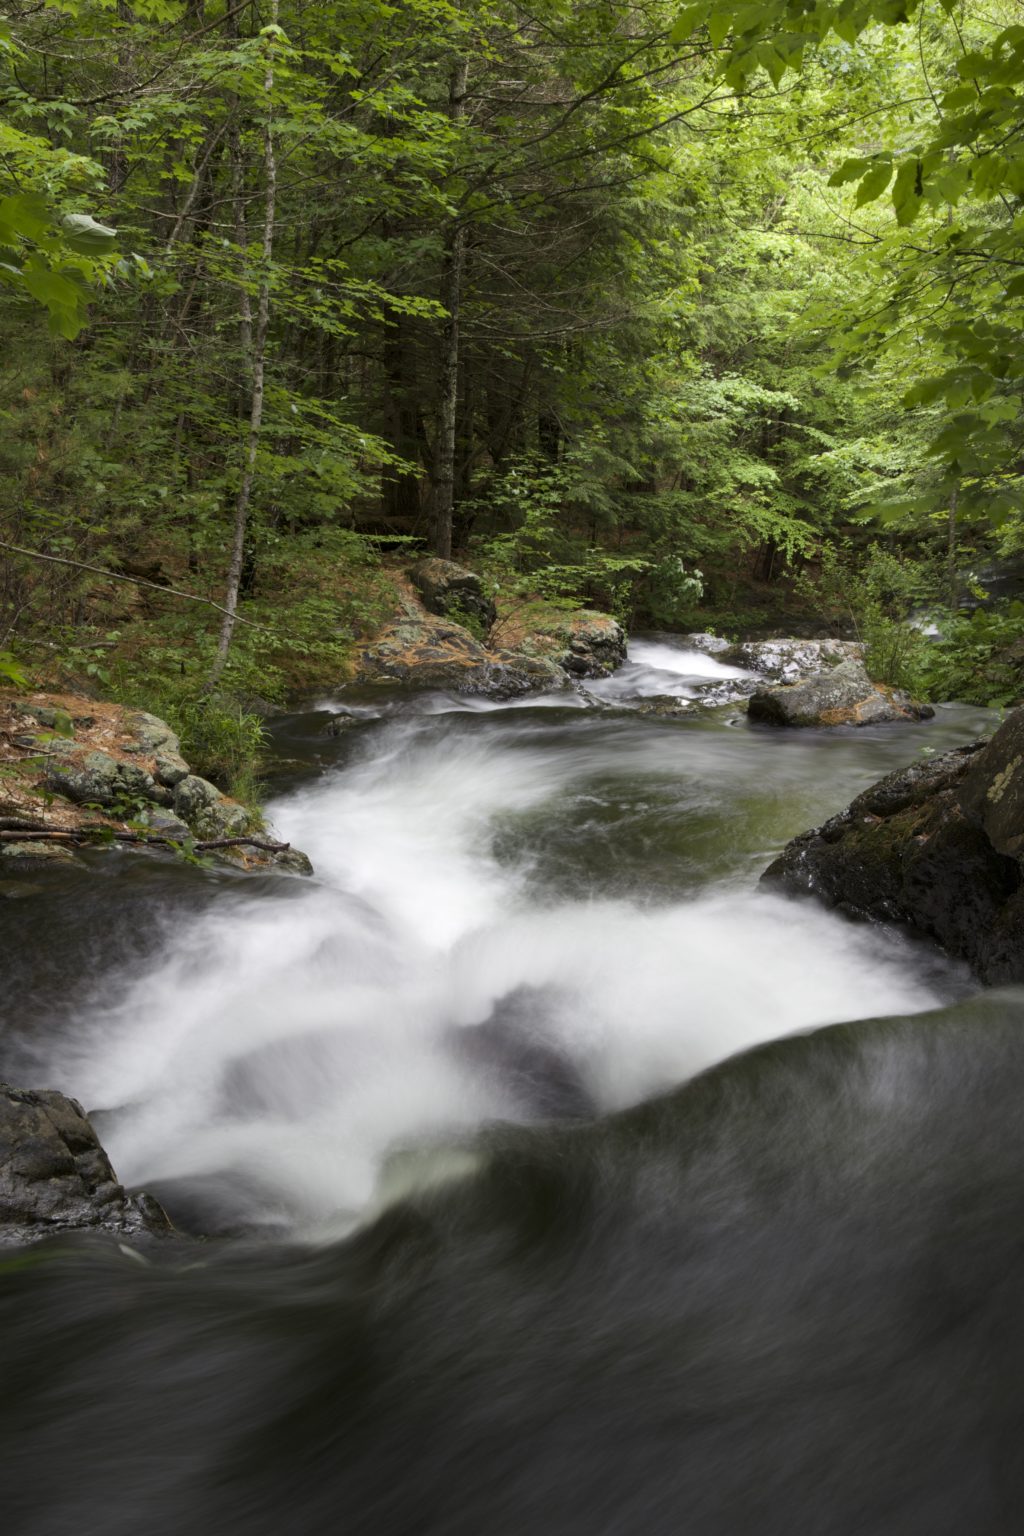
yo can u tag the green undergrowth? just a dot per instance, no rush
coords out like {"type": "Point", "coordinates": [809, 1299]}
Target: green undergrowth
{"type": "Point", "coordinates": [298, 633]}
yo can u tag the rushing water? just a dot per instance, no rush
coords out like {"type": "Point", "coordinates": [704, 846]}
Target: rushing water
{"type": "Point", "coordinates": [459, 1283]}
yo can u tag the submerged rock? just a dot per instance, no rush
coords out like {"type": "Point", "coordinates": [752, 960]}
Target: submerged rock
{"type": "Point", "coordinates": [448, 589]}
{"type": "Point", "coordinates": [845, 695]}
{"type": "Point", "coordinates": [938, 846]}
{"type": "Point", "coordinates": [339, 723]}
{"type": "Point", "coordinates": [55, 1176]}
{"type": "Point", "coordinates": [28, 853]}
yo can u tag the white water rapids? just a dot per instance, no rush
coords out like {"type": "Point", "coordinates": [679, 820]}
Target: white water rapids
{"type": "Point", "coordinates": [283, 1047]}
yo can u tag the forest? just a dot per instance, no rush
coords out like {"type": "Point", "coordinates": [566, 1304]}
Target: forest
{"type": "Point", "coordinates": [706, 318]}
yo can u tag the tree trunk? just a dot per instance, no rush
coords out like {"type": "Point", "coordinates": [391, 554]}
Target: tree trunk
{"type": "Point", "coordinates": [400, 487]}
{"type": "Point", "coordinates": [256, 331]}
{"type": "Point", "coordinates": [451, 297]}
{"type": "Point", "coordinates": [951, 573]}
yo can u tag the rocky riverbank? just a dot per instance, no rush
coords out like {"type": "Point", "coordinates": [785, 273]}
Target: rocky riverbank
{"type": "Point", "coordinates": [937, 846]}
{"type": "Point", "coordinates": [80, 772]}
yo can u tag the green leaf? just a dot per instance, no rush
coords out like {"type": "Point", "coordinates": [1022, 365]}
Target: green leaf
{"type": "Point", "coordinates": [906, 192]}
{"type": "Point", "coordinates": [873, 184]}
{"type": "Point", "coordinates": [926, 391]}
{"type": "Point", "coordinates": [84, 235]}
{"type": "Point", "coordinates": [718, 28]}
{"type": "Point", "coordinates": [688, 22]}
{"type": "Point", "coordinates": [850, 170]}
{"type": "Point", "coordinates": [24, 216]}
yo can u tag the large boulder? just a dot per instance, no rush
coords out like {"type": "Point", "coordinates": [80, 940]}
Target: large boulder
{"type": "Point", "coordinates": [591, 644]}
{"type": "Point", "coordinates": [423, 651]}
{"type": "Point", "coordinates": [55, 1176]}
{"type": "Point", "coordinates": [844, 695]}
{"type": "Point", "coordinates": [788, 660]}
{"type": "Point", "coordinates": [530, 652]}
{"type": "Point", "coordinates": [451, 591]}
{"type": "Point", "coordinates": [938, 846]}
{"type": "Point", "coordinates": [581, 641]}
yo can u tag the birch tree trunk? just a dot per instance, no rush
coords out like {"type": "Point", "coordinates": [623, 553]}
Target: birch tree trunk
{"type": "Point", "coordinates": [254, 329]}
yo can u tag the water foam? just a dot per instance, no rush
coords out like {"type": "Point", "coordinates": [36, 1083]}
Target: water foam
{"type": "Point", "coordinates": [659, 668]}
{"type": "Point", "coordinates": [292, 1045]}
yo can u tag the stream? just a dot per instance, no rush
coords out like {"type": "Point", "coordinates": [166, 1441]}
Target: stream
{"type": "Point", "coordinates": [488, 1247]}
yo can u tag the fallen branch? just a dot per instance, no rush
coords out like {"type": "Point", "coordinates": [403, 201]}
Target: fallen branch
{"type": "Point", "coordinates": [135, 581]}
{"type": "Point", "coordinates": [105, 834]}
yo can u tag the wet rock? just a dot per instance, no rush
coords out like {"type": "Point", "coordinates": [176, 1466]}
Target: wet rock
{"type": "Point", "coordinates": [424, 650]}
{"type": "Point", "coordinates": [292, 861]}
{"type": "Point", "coordinates": [993, 793]}
{"type": "Point", "coordinates": [99, 779]}
{"type": "Point", "coordinates": [338, 724]}
{"type": "Point", "coordinates": [790, 660]}
{"type": "Point", "coordinates": [42, 714]}
{"type": "Point", "coordinates": [845, 695]}
{"type": "Point", "coordinates": [53, 748]}
{"type": "Point", "coordinates": [134, 783]}
{"type": "Point", "coordinates": [593, 644]}
{"type": "Point", "coordinates": [209, 813]}
{"type": "Point", "coordinates": [166, 824]}
{"type": "Point", "coordinates": [581, 644]}
{"type": "Point", "coordinates": [29, 854]}
{"type": "Point", "coordinates": [937, 846]}
{"type": "Point", "coordinates": [664, 705]}
{"type": "Point", "coordinates": [93, 781]}
{"type": "Point", "coordinates": [711, 645]}
{"type": "Point", "coordinates": [513, 675]}
{"type": "Point", "coordinates": [55, 1176]}
{"type": "Point", "coordinates": [448, 590]}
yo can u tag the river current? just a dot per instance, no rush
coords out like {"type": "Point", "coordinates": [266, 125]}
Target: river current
{"type": "Point", "coordinates": [488, 1248]}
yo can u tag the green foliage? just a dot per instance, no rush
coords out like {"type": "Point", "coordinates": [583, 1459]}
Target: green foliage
{"type": "Point", "coordinates": [980, 657]}
{"type": "Point", "coordinates": [222, 741]}
{"type": "Point", "coordinates": [469, 619]}
{"type": "Point", "coordinates": [950, 169]}
{"type": "Point", "coordinates": [11, 672]}
{"type": "Point", "coordinates": [877, 594]}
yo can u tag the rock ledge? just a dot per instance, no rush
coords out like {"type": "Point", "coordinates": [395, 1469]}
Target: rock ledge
{"type": "Point", "coordinates": [937, 846]}
{"type": "Point", "coordinates": [55, 1176]}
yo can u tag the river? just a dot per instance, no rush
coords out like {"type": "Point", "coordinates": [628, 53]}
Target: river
{"type": "Point", "coordinates": [454, 1279]}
